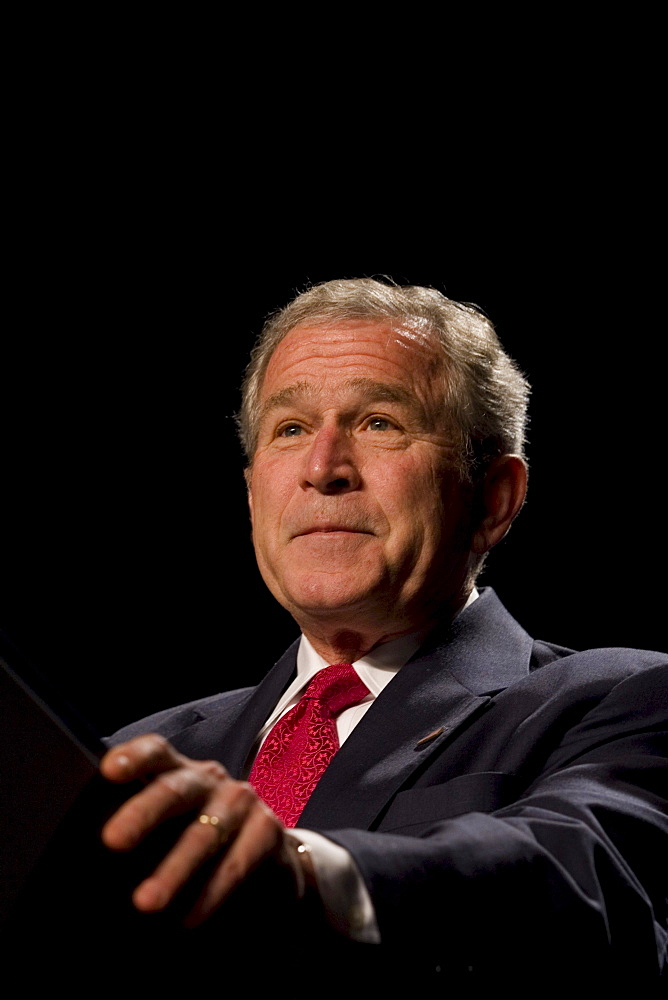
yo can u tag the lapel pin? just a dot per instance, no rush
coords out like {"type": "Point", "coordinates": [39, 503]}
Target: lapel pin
{"type": "Point", "coordinates": [429, 737]}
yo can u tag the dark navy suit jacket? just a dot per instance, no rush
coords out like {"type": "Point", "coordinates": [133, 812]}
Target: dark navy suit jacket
{"type": "Point", "coordinates": [505, 800]}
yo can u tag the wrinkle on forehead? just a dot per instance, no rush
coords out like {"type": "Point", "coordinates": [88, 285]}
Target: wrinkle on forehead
{"type": "Point", "coordinates": [416, 329]}
{"type": "Point", "coordinates": [415, 333]}
{"type": "Point", "coordinates": [367, 388]}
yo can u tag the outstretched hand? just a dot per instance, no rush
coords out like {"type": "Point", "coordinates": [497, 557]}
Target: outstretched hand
{"type": "Point", "coordinates": [230, 821]}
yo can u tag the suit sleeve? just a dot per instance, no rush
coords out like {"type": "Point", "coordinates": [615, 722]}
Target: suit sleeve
{"type": "Point", "coordinates": [568, 879]}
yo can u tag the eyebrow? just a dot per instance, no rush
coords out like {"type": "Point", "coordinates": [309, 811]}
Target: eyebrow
{"type": "Point", "coordinates": [368, 388]}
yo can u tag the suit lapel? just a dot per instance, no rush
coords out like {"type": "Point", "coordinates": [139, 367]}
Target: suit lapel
{"type": "Point", "coordinates": [442, 688]}
{"type": "Point", "coordinates": [233, 745]}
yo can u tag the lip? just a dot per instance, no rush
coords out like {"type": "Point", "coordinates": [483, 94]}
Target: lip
{"type": "Point", "coordinates": [328, 529]}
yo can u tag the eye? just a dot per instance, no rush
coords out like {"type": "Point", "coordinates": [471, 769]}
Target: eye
{"type": "Point", "coordinates": [290, 430]}
{"type": "Point", "coordinates": [379, 424]}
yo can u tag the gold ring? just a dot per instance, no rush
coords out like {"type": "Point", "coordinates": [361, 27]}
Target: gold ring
{"type": "Point", "coordinates": [211, 820]}
{"type": "Point", "coordinates": [214, 821]}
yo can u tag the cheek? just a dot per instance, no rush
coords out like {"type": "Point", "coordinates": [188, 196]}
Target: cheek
{"type": "Point", "coordinates": [271, 485]}
{"type": "Point", "coordinates": [411, 497]}
{"type": "Point", "coordinates": [396, 474]}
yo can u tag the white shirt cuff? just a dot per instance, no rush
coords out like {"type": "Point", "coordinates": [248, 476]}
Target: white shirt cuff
{"type": "Point", "coordinates": [345, 897]}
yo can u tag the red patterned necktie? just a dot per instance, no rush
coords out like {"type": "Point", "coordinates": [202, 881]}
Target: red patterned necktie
{"type": "Point", "coordinates": [296, 752]}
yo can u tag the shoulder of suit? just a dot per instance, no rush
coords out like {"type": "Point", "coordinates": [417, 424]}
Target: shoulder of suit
{"type": "Point", "coordinates": [559, 670]}
{"type": "Point", "coordinates": [174, 720]}
{"type": "Point", "coordinates": [616, 657]}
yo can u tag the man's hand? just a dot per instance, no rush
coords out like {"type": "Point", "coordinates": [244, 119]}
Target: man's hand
{"type": "Point", "coordinates": [230, 821]}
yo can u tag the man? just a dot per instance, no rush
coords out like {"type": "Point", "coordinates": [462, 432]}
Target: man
{"type": "Point", "coordinates": [498, 805]}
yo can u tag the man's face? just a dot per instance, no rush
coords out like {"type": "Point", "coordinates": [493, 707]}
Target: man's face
{"type": "Point", "coordinates": [357, 510]}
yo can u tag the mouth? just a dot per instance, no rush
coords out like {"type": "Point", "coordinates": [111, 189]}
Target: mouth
{"type": "Point", "coordinates": [332, 529]}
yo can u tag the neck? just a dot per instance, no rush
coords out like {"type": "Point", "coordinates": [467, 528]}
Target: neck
{"type": "Point", "coordinates": [345, 645]}
{"type": "Point", "coordinates": [338, 644]}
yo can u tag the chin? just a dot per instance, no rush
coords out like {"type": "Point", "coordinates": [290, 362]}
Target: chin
{"type": "Point", "coordinates": [327, 597]}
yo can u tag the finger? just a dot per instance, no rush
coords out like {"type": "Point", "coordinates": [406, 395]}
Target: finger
{"type": "Point", "coordinates": [144, 755]}
{"type": "Point", "coordinates": [170, 794]}
{"type": "Point", "coordinates": [230, 806]}
{"type": "Point", "coordinates": [199, 842]}
{"type": "Point", "coordinates": [260, 837]}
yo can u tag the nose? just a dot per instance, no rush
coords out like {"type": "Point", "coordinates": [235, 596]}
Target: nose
{"type": "Point", "coordinates": [329, 464]}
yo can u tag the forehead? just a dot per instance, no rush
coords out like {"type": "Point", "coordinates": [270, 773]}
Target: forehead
{"type": "Point", "coordinates": [327, 355]}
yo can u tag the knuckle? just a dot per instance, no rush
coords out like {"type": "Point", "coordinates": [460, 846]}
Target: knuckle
{"type": "Point", "coordinates": [153, 750]}
{"type": "Point", "coordinates": [175, 782]}
{"type": "Point", "coordinates": [154, 743]}
{"type": "Point", "coordinates": [270, 825]}
{"type": "Point", "coordinates": [269, 822]}
{"type": "Point", "coordinates": [243, 796]}
{"type": "Point", "coordinates": [269, 829]}
{"type": "Point", "coordinates": [214, 769]}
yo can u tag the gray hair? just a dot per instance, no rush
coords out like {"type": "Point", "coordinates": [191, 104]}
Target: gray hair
{"type": "Point", "coordinates": [486, 395]}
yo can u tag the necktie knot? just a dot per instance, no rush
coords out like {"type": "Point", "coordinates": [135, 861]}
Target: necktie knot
{"type": "Point", "coordinates": [336, 687]}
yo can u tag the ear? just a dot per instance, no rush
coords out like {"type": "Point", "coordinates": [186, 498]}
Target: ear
{"type": "Point", "coordinates": [502, 495]}
{"type": "Point", "coordinates": [247, 477]}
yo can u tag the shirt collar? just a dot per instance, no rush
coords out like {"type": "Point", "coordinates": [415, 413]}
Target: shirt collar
{"type": "Point", "coordinates": [376, 668]}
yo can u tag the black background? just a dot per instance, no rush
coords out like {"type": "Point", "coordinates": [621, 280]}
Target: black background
{"type": "Point", "coordinates": [155, 223]}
